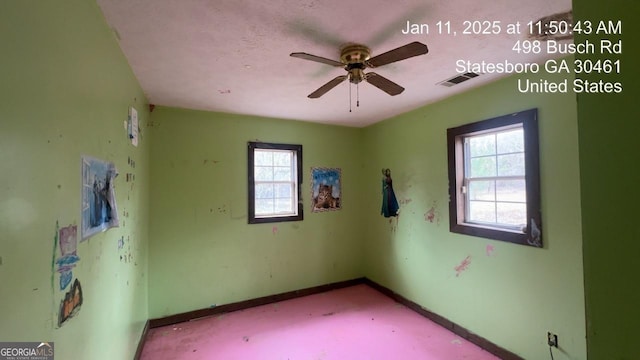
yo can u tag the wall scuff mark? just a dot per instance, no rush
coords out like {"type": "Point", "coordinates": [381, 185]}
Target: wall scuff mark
{"type": "Point", "coordinates": [433, 215]}
{"type": "Point", "coordinates": [490, 249]}
{"type": "Point", "coordinates": [463, 266]}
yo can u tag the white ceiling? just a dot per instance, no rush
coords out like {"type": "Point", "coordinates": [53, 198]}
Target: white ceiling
{"type": "Point", "coordinates": [233, 55]}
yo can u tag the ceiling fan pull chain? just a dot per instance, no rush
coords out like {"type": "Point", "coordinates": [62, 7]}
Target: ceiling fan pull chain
{"type": "Point", "coordinates": [349, 96]}
{"type": "Point", "coordinates": [358, 95]}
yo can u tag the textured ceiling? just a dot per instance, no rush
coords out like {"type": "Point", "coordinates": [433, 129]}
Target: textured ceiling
{"type": "Point", "coordinates": [233, 56]}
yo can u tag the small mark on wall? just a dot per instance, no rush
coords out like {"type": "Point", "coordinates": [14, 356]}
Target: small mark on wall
{"type": "Point", "coordinates": [225, 91]}
{"type": "Point", "coordinates": [207, 161]}
{"type": "Point", "coordinates": [245, 338]}
{"type": "Point", "coordinates": [274, 230]}
{"type": "Point", "coordinates": [405, 201]}
{"type": "Point", "coordinates": [456, 342]}
{"type": "Point", "coordinates": [222, 209]}
{"type": "Point", "coordinates": [433, 214]}
{"type": "Point", "coordinates": [394, 224]}
{"type": "Point", "coordinates": [490, 250]}
{"type": "Point", "coordinates": [463, 266]}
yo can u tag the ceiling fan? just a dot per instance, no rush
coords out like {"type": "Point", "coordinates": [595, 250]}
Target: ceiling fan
{"type": "Point", "coordinates": [354, 58]}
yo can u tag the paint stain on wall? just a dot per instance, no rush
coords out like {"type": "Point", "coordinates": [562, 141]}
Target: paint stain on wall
{"type": "Point", "coordinates": [394, 223]}
{"type": "Point", "coordinates": [274, 230]}
{"type": "Point", "coordinates": [490, 249]}
{"type": "Point", "coordinates": [405, 201]}
{"type": "Point", "coordinates": [433, 214]}
{"type": "Point", "coordinates": [463, 266]}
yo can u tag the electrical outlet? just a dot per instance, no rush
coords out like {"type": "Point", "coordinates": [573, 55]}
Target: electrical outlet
{"type": "Point", "coordinates": [552, 339]}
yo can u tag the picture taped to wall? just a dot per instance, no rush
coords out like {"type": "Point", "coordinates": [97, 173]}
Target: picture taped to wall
{"type": "Point", "coordinates": [99, 211]}
{"type": "Point", "coordinates": [326, 189]}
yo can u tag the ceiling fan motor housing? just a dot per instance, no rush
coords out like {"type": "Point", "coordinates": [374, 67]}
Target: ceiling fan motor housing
{"type": "Point", "coordinates": [354, 53]}
{"type": "Point", "coordinates": [354, 56]}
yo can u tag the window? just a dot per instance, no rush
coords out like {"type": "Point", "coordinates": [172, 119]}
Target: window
{"type": "Point", "coordinates": [494, 185]}
{"type": "Point", "coordinates": [274, 182]}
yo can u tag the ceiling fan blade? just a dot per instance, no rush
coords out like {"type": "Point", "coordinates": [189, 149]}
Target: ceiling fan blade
{"type": "Point", "coordinates": [403, 52]}
{"type": "Point", "coordinates": [315, 58]}
{"type": "Point", "coordinates": [328, 86]}
{"type": "Point", "coordinates": [384, 84]}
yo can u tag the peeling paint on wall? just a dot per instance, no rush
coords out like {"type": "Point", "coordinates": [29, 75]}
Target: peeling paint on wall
{"type": "Point", "coordinates": [463, 266]}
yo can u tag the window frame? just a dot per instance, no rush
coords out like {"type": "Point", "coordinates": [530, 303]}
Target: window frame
{"type": "Point", "coordinates": [532, 234]}
{"type": "Point", "coordinates": [297, 149]}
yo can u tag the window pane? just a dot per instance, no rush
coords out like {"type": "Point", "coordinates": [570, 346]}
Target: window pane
{"type": "Point", "coordinates": [482, 190]}
{"type": "Point", "coordinates": [282, 174]}
{"type": "Point", "coordinates": [281, 158]}
{"type": "Point", "coordinates": [264, 206]}
{"type": "Point", "coordinates": [263, 173]}
{"type": "Point", "coordinates": [511, 141]}
{"type": "Point", "coordinates": [511, 190]}
{"type": "Point", "coordinates": [482, 211]}
{"type": "Point", "coordinates": [284, 190]}
{"type": "Point", "coordinates": [512, 214]}
{"type": "Point", "coordinates": [263, 157]}
{"type": "Point", "coordinates": [264, 191]}
{"type": "Point", "coordinates": [482, 145]}
{"type": "Point", "coordinates": [482, 167]}
{"type": "Point", "coordinates": [284, 206]}
{"type": "Point", "coordinates": [510, 165]}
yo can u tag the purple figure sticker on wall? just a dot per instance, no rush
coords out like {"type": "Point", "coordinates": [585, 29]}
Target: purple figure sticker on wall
{"type": "Point", "coordinates": [390, 205]}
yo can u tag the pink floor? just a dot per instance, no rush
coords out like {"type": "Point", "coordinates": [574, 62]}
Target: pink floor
{"type": "Point", "coordinates": [347, 324]}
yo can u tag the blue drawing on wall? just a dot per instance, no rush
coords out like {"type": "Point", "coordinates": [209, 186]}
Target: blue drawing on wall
{"type": "Point", "coordinates": [99, 211]}
{"type": "Point", "coordinates": [67, 243]}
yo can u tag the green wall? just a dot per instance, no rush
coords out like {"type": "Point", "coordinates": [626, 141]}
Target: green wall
{"type": "Point", "coordinates": [509, 294]}
{"type": "Point", "coordinates": [203, 252]}
{"type": "Point", "coordinates": [65, 90]}
{"type": "Point", "coordinates": [608, 133]}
